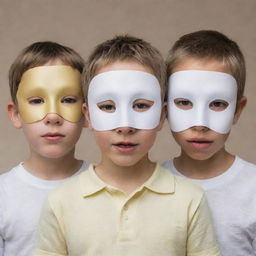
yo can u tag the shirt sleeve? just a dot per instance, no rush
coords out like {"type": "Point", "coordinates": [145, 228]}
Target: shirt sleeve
{"type": "Point", "coordinates": [50, 236]}
{"type": "Point", "coordinates": [201, 235]}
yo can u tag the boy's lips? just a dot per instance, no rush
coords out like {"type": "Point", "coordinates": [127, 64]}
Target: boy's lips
{"type": "Point", "coordinates": [200, 143]}
{"type": "Point", "coordinates": [125, 146]}
{"type": "Point", "coordinates": [53, 136]}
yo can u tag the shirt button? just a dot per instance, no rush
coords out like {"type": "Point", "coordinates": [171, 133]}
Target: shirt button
{"type": "Point", "coordinates": [126, 218]}
{"type": "Point", "coordinates": [125, 207]}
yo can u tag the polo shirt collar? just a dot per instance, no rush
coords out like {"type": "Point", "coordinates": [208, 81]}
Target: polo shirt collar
{"type": "Point", "coordinates": [161, 181]}
{"type": "Point", "coordinates": [90, 183]}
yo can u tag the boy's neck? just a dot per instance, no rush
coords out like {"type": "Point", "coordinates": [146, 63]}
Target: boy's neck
{"type": "Point", "coordinates": [52, 169]}
{"type": "Point", "coordinates": [125, 178]}
{"type": "Point", "coordinates": [204, 169]}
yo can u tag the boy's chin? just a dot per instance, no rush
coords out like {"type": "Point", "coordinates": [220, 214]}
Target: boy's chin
{"type": "Point", "coordinates": [124, 163]}
{"type": "Point", "coordinates": [54, 154]}
{"type": "Point", "coordinates": [200, 156]}
{"type": "Point", "coordinates": [129, 161]}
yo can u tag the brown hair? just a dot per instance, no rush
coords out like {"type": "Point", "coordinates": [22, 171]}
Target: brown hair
{"type": "Point", "coordinates": [210, 45]}
{"type": "Point", "coordinates": [125, 48]}
{"type": "Point", "coordinates": [38, 54]}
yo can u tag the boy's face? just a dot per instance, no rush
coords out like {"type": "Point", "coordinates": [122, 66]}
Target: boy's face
{"type": "Point", "coordinates": [47, 95]}
{"type": "Point", "coordinates": [198, 141]}
{"type": "Point", "coordinates": [120, 142]}
{"type": "Point", "coordinates": [50, 89]}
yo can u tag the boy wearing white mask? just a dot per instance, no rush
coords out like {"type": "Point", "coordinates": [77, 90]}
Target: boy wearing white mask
{"type": "Point", "coordinates": [206, 73]}
{"type": "Point", "coordinates": [126, 204]}
{"type": "Point", "coordinates": [46, 104]}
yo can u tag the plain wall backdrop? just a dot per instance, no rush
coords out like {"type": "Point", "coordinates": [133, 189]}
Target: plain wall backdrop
{"type": "Point", "coordinates": [82, 24]}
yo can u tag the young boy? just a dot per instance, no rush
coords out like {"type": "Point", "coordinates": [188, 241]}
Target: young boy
{"type": "Point", "coordinates": [206, 85]}
{"type": "Point", "coordinates": [47, 104]}
{"type": "Point", "coordinates": [126, 204]}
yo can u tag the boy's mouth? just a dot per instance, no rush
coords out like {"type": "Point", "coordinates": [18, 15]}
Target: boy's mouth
{"type": "Point", "coordinates": [125, 146]}
{"type": "Point", "coordinates": [200, 144]}
{"type": "Point", "coordinates": [53, 136]}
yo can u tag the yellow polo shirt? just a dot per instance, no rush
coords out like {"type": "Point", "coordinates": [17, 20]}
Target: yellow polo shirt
{"type": "Point", "coordinates": [166, 216]}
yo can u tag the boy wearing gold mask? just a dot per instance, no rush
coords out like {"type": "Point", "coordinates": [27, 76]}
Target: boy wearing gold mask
{"type": "Point", "coordinates": [46, 103]}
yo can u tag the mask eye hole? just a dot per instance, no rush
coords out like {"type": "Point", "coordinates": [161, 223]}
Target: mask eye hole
{"type": "Point", "coordinates": [35, 100]}
{"type": "Point", "coordinates": [142, 105]}
{"type": "Point", "coordinates": [69, 100]}
{"type": "Point", "coordinates": [183, 103]}
{"type": "Point", "coordinates": [107, 106]}
{"type": "Point", "coordinates": [218, 105]}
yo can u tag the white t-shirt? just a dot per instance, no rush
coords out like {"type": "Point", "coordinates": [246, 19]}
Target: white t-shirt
{"type": "Point", "coordinates": [232, 200]}
{"type": "Point", "coordinates": [21, 198]}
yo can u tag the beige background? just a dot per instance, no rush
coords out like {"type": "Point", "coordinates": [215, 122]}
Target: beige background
{"type": "Point", "coordinates": [83, 24]}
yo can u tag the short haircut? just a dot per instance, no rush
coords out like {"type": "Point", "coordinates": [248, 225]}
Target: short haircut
{"type": "Point", "coordinates": [38, 54]}
{"type": "Point", "coordinates": [210, 45]}
{"type": "Point", "coordinates": [125, 48]}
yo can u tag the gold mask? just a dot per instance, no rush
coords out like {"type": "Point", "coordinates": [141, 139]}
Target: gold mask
{"type": "Point", "coordinates": [50, 89]}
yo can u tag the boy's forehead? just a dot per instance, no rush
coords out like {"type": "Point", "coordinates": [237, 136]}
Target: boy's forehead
{"type": "Point", "coordinates": [124, 65]}
{"type": "Point", "coordinates": [55, 62]}
{"type": "Point", "coordinates": [206, 64]}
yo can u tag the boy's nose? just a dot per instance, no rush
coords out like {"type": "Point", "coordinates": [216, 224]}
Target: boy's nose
{"type": "Point", "coordinates": [125, 130]}
{"type": "Point", "coordinates": [53, 118]}
{"type": "Point", "coordinates": [200, 128]}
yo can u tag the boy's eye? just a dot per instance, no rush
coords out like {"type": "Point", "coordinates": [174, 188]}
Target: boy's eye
{"type": "Point", "coordinates": [218, 105]}
{"type": "Point", "coordinates": [184, 104]}
{"type": "Point", "coordinates": [35, 101]}
{"type": "Point", "coordinates": [69, 100]}
{"type": "Point", "coordinates": [107, 106]}
{"type": "Point", "coordinates": [142, 105]}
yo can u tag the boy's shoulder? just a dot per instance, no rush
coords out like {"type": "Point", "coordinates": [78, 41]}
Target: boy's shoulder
{"type": "Point", "coordinates": [9, 186]}
{"type": "Point", "coordinates": [246, 164]}
{"type": "Point", "coordinates": [245, 169]}
{"type": "Point", "coordinates": [241, 173]}
{"type": "Point", "coordinates": [8, 178]}
{"type": "Point", "coordinates": [18, 178]}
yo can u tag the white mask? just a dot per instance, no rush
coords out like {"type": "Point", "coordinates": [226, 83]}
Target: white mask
{"type": "Point", "coordinates": [201, 88]}
{"type": "Point", "coordinates": [124, 87]}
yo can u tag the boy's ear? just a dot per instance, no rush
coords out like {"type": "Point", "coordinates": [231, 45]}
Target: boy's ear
{"type": "Point", "coordinates": [14, 115]}
{"type": "Point", "coordinates": [87, 116]}
{"type": "Point", "coordinates": [240, 106]}
{"type": "Point", "coordinates": [163, 117]}
{"type": "Point", "coordinates": [83, 120]}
